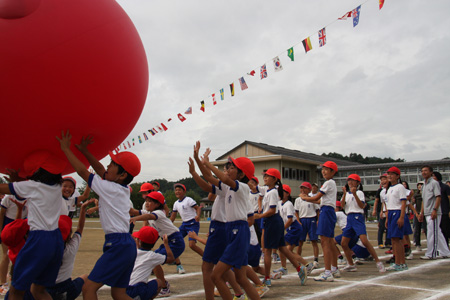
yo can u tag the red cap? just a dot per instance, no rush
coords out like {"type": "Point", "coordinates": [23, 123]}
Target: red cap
{"type": "Point", "coordinates": [156, 196]}
{"type": "Point", "coordinates": [68, 178]}
{"type": "Point", "coordinates": [147, 234]}
{"type": "Point", "coordinates": [129, 162]}
{"type": "Point", "coordinates": [155, 182]}
{"type": "Point", "coordinates": [65, 226]}
{"type": "Point", "coordinates": [306, 185]}
{"type": "Point", "coordinates": [179, 185]}
{"type": "Point", "coordinates": [394, 170]}
{"type": "Point", "coordinates": [146, 187]}
{"type": "Point", "coordinates": [338, 203]}
{"type": "Point", "coordinates": [14, 233]}
{"type": "Point", "coordinates": [384, 175]}
{"type": "Point", "coordinates": [354, 177]}
{"type": "Point", "coordinates": [330, 164]}
{"type": "Point", "coordinates": [42, 159]}
{"type": "Point", "coordinates": [245, 165]}
{"type": "Point", "coordinates": [287, 188]}
{"type": "Point", "coordinates": [255, 179]}
{"type": "Point", "coordinates": [273, 172]}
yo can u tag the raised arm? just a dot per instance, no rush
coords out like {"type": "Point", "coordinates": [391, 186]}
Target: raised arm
{"type": "Point", "coordinates": [221, 175]}
{"type": "Point", "coordinates": [83, 148]}
{"type": "Point", "coordinates": [82, 218]}
{"type": "Point", "coordinates": [83, 197]}
{"type": "Point", "coordinates": [205, 172]}
{"type": "Point", "coordinates": [79, 167]}
{"type": "Point", "coordinates": [200, 182]}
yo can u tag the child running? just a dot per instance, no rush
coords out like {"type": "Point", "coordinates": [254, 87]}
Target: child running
{"type": "Point", "coordinates": [327, 220]}
{"type": "Point", "coordinates": [114, 267]}
{"type": "Point", "coordinates": [353, 202]}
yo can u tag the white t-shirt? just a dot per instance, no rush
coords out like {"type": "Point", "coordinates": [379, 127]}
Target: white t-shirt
{"type": "Point", "coordinates": [72, 200]}
{"type": "Point", "coordinates": [68, 261]}
{"type": "Point", "coordinates": [113, 204]}
{"type": "Point", "coordinates": [253, 236]}
{"type": "Point", "coordinates": [351, 206]}
{"type": "Point", "coordinates": [11, 207]}
{"type": "Point", "coordinates": [383, 198]}
{"type": "Point", "coordinates": [341, 219]}
{"type": "Point", "coordinates": [395, 195]}
{"type": "Point", "coordinates": [305, 209]}
{"type": "Point", "coordinates": [162, 223]}
{"type": "Point", "coordinates": [43, 201]}
{"type": "Point", "coordinates": [145, 262]}
{"type": "Point", "coordinates": [271, 200]}
{"type": "Point", "coordinates": [254, 200]}
{"type": "Point", "coordinates": [287, 211]}
{"type": "Point", "coordinates": [185, 208]}
{"type": "Point", "coordinates": [237, 204]}
{"type": "Point", "coordinates": [218, 208]}
{"type": "Point", "coordinates": [329, 192]}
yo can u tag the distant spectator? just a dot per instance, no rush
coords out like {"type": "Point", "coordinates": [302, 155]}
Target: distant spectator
{"type": "Point", "coordinates": [445, 197]}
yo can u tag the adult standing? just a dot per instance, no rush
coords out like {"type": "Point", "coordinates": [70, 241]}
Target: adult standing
{"type": "Point", "coordinates": [431, 209]}
{"type": "Point", "coordinates": [445, 207]}
{"type": "Point", "coordinates": [418, 226]}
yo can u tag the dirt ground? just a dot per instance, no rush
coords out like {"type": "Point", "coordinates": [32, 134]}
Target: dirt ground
{"type": "Point", "coordinates": [423, 280]}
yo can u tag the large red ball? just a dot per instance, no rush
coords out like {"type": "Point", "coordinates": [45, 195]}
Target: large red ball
{"type": "Point", "coordinates": [77, 65]}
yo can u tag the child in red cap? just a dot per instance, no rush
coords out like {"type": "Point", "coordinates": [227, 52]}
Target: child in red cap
{"type": "Point", "coordinates": [38, 262]}
{"type": "Point", "coordinates": [146, 261]}
{"type": "Point", "coordinates": [71, 198]}
{"type": "Point", "coordinates": [114, 267]}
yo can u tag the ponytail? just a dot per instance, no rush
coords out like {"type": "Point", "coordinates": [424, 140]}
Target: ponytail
{"type": "Point", "coordinates": [280, 189]}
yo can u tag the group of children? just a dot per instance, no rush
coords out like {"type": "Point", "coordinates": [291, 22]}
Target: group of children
{"type": "Point", "coordinates": [242, 209]}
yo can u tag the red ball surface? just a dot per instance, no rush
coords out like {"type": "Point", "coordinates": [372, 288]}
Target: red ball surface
{"type": "Point", "coordinates": [68, 65]}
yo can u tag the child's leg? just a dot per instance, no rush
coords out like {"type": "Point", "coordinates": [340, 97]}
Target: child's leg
{"type": "Point", "coordinates": [119, 294]}
{"type": "Point", "coordinates": [193, 246]}
{"type": "Point", "coordinates": [399, 250]}
{"type": "Point", "coordinates": [300, 248]}
{"type": "Point", "coordinates": [347, 251]}
{"type": "Point", "coordinates": [283, 260]}
{"type": "Point", "coordinates": [293, 258]}
{"type": "Point", "coordinates": [217, 278]}
{"type": "Point", "coordinates": [159, 273]}
{"type": "Point", "coordinates": [315, 250]}
{"type": "Point", "coordinates": [267, 262]}
{"type": "Point", "coordinates": [15, 294]}
{"type": "Point", "coordinates": [90, 289]}
{"type": "Point", "coordinates": [229, 277]}
{"type": "Point", "coordinates": [260, 270]}
{"type": "Point", "coordinates": [208, 284]}
{"type": "Point", "coordinates": [369, 247]}
{"type": "Point", "coordinates": [251, 274]}
{"type": "Point", "coordinates": [241, 278]}
{"type": "Point", "coordinates": [4, 265]}
{"type": "Point", "coordinates": [326, 243]}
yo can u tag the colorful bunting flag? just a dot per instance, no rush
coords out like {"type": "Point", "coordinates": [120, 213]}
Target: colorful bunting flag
{"type": "Point", "coordinates": [381, 3]}
{"type": "Point", "coordinates": [124, 147]}
{"type": "Point", "coordinates": [164, 127]}
{"type": "Point", "coordinates": [181, 117]}
{"type": "Point", "coordinates": [322, 37]}
{"type": "Point", "coordinates": [139, 138]}
{"type": "Point", "coordinates": [214, 99]}
{"type": "Point", "coordinates": [188, 111]}
{"type": "Point", "coordinates": [145, 136]}
{"type": "Point", "coordinates": [170, 119]}
{"type": "Point", "coordinates": [307, 44]}
{"type": "Point", "coordinates": [347, 15]}
{"type": "Point", "coordinates": [290, 53]}
{"type": "Point", "coordinates": [252, 73]}
{"type": "Point", "coordinates": [222, 96]}
{"type": "Point", "coordinates": [129, 145]}
{"type": "Point", "coordinates": [151, 132]}
{"type": "Point", "coordinates": [232, 89]}
{"type": "Point", "coordinates": [154, 130]}
{"type": "Point", "coordinates": [263, 71]}
{"type": "Point", "coordinates": [355, 14]}
{"type": "Point", "coordinates": [277, 64]}
{"type": "Point", "coordinates": [202, 107]}
{"type": "Point", "coordinates": [132, 141]}
{"type": "Point", "coordinates": [243, 84]}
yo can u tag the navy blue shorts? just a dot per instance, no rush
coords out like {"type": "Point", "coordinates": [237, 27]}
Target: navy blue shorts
{"type": "Point", "coordinates": [143, 290]}
{"type": "Point", "coordinates": [39, 260]}
{"type": "Point", "coordinates": [353, 240]}
{"type": "Point", "coordinates": [355, 225]}
{"type": "Point", "coordinates": [393, 230]}
{"type": "Point", "coordinates": [176, 244]}
{"type": "Point", "coordinates": [274, 232]}
{"type": "Point", "coordinates": [360, 252]}
{"type": "Point", "coordinates": [254, 255]}
{"type": "Point", "coordinates": [115, 265]}
{"type": "Point", "coordinates": [292, 237]}
{"type": "Point", "coordinates": [216, 243]}
{"type": "Point", "coordinates": [238, 241]}
{"type": "Point", "coordinates": [309, 227]}
{"type": "Point", "coordinates": [407, 230]}
{"type": "Point", "coordinates": [72, 289]}
{"type": "Point", "coordinates": [190, 225]}
{"type": "Point", "coordinates": [327, 221]}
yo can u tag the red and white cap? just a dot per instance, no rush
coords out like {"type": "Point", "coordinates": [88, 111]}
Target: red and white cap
{"type": "Point", "coordinates": [146, 187]}
{"type": "Point", "coordinates": [129, 162]}
{"type": "Point", "coordinates": [157, 196]}
{"type": "Point", "coordinates": [354, 177]}
{"type": "Point", "coordinates": [394, 170]}
{"type": "Point", "coordinates": [147, 234]}
{"type": "Point", "coordinates": [274, 173]}
{"type": "Point", "coordinates": [245, 165]}
{"type": "Point", "coordinates": [330, 164]}
{"type": "Point", "coordinates": [68, 178]}
{"type": "Point", "coordinates": [306, 185]}
{"type": "Point", "coordinates": [287, 189]}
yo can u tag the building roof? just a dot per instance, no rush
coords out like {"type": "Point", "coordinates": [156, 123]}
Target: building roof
{"type": "Point", "coordinates": [313, 158]}
{"type": "Point", "coordinates": [385, 166]}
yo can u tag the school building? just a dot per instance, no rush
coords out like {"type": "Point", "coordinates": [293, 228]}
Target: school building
{"type": "Point", "coordinates": [298, 166]}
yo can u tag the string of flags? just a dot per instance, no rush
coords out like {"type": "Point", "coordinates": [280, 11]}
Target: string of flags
{"type": "Point", "coordinates": [354, 14]}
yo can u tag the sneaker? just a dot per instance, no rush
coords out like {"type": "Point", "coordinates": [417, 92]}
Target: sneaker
{"type": "Point", "coordinates": [380, 267]}
{"type": "Point", "coordinates": [342, 261]}
{"type": "Point", "coordinates": [4, 289]}
{"type": "Point", "coordinates": [316, 264]}
{"type": "Point", "coordinates": [165, 292]}
{"type": "Point", "coordinates": [302, 275]}
{"type": "Point", "coordinates": [391, 260]}
{"type": "Point", "coordinates": [241, 297]}
{"type": "Point", "coordinates": [388, 251]}
{"type": "Point", "coordinates": [276, 275]}
{"type": "Point", "coordinates": [350, 268]}
{"type": "Point", "coordinates": [323, 277]}
{"type": "Point", "coordinates": [407, 251]}
{"type": "Point", "coordinates": [418, 249]}
{"type": "Point", "coordinates": [309, 268]}
{"type": "Point", "coordinates": [336, 273]}
{"type": "Point", "coordinates": [267, 282]}
{"type": "Point", "coordinates": [395, 267]}
{"type": "Point", "coordinates": [380, 246]}
{"type": "Point", "coordinates": [426, 257]}
{"type": "Point", "coordinates": [281, 270]}
{"type": "Point", "coordinates": [262, 290]}
{"type": "Point", "coordinates": [404, 266]}
{"type": "Point", "coordinates": [410, 256]}
{"type": "Point", "coordinates": [261, 260]}
{"type": "Point", "coordinates": [180, 269]}
{"type": "Point", "coordinates": [358, 261]}
{"type": "Point", "coordinates": [275, 258]}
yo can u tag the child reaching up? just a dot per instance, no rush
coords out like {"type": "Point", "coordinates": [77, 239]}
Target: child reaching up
{"type": "Point", "coordinates": [114, 267]}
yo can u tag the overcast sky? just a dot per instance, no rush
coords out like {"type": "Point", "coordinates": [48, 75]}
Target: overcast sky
{"type": "Point", "coordinates": [379, 89]}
